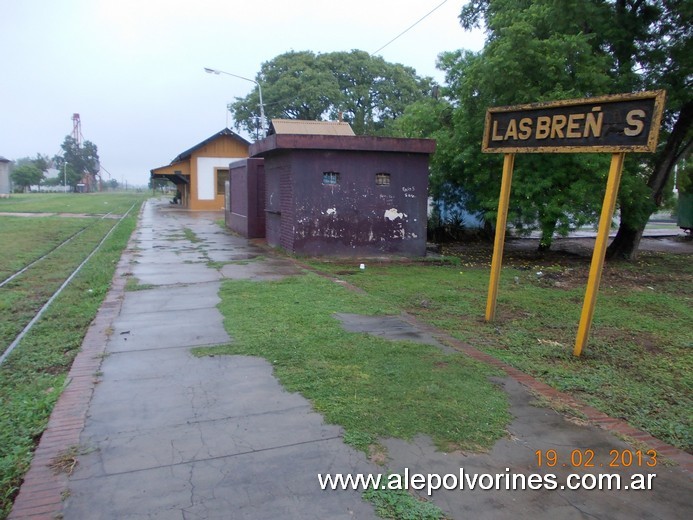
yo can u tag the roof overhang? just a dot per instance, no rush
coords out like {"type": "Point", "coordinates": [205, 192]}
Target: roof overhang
{"type": "Point", "coordinates": [341, 143]}
{"type": "Point", "coordinates": [175, 178]}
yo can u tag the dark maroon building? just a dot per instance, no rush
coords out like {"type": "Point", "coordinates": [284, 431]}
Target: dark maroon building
{"type": "Point", "coordinates": [245, 203]}
{"type": "Point", "coordinates": [343, 195]}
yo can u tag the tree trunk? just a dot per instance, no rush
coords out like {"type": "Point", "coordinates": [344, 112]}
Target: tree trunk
{"type": "Point", "coordinates": [547, 230]}
{"type": "Point", "coordinates": [625, 244]}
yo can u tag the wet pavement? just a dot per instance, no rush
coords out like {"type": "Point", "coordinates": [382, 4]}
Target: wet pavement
{"type": "Point", "coordinates": [172, 436]}
{"type": "Point", "coordinates": [389, 327]}
{"type": "Point", "coordinates": [580, 450]}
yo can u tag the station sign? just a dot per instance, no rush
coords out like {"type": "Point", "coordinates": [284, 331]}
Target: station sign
{"type": "Point", "coordinates": [619, 123]}
{"type": "Point", "coordinates": [616, 124]}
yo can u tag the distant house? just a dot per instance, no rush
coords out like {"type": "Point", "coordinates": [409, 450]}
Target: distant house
{"type": "Point", "coordinates": [326, 191]}
{"type": "Point", "coordinates": [4, 177]}
{"type": "Point", "coordinates": [200, 172]}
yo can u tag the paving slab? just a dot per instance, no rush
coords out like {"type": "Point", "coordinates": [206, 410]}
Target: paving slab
{"type": "Point", "coordinates": [154, 273]}
{"type": "Point", "coordinates": [269, 484]}
{"type": "Point", "coordinates": [228, 420]}
{"type": "Point", "coordinates": [171, 435]}
{"type": "Point", "coordinates": [165, 329]}
{"type": "Point", "coordinates": [172, 298]}
{"type": "Point", "coordinates": [166, 256]}
{"type": "Point", "coordinates": [540, 428]}
{"type": "Point", "coordinates": [266, 269]}
{"type": "Point", "coordinates": [182, 389]}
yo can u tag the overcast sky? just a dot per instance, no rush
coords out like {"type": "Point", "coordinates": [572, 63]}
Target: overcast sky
{"type": "Point", "coordinates": [133, 69]}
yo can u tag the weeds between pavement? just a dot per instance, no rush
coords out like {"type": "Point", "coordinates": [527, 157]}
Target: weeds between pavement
{"type": "Point", "coordinates": [637, 364]}
{"type": "Point", "coordinates": [372, 387]}
{"type": "Point", "coordinates": [401, 505]}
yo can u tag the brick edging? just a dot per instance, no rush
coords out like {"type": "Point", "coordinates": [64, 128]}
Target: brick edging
{"type": "Point", "coordinates": [594, 416]}
{"type": "Point", "coordinates": [42, 491]}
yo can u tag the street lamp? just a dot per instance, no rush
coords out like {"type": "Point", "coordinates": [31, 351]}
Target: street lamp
{"type": "Point", "coordinates": [65, 176]}
{"type": "Point", "coordinates": [259, 89]}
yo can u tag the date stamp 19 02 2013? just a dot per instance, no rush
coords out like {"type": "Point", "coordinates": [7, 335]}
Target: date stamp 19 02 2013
{"type": "Point", "coordinates": [586, 458]}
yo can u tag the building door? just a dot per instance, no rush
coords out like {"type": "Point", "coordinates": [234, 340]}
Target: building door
{"type": "Point", "coordinates": [273, 206]}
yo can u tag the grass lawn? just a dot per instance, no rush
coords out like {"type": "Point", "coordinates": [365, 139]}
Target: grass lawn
{"type": "Point", "coordinates": [32, 377]}
{"type": "Point", "coordinates": [23, 297]}
{"type": "Point", "coordinates": [371, 386]}
{"type": "Point", "coordinates": [46, 233]}
{"type": "Point", "coordinates": [90, 203]}
{"type": "Point", "coordinates": [638, 363]}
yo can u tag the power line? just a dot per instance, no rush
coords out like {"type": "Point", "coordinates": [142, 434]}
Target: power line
{"type": "Point", "coordinates": [410, 27]}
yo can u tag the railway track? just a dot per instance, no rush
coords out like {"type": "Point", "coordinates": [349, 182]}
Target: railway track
{"type": "Point", "coordinates": [61, 244]}
{"type": "Point", "coordinates": [65, 283]}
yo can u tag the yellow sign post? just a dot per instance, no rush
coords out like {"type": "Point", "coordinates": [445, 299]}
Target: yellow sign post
{"type": "Point", "coordinates": [599, 251]}
{"type": "Point", "coordinates": [501, 221]}
{"type": "Point", "coordinates": [615, 124]}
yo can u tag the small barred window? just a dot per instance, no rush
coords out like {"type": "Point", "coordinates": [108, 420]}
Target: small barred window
{"type": "Point", "coordinates": [330, 178]}
{"type": "Point", "coordinates": [382, 179]}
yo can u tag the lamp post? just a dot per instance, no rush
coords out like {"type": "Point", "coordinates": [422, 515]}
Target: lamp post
{"type": "Point", "coordinates": [65, 176]}
{"type": "Point", "coordinates": [259, 89]}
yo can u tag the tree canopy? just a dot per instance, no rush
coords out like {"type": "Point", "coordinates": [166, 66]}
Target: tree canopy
{"type": "Point", "coordinates": [364, 90]}
{"type": "Point", "coordinates": [30, 171]}
{"type": "Point", "coordinates": [543, 50]}
{"type": "Point", "coordinates": [80, 160]}
{"type": "Point", "coordinates": [26, 175]}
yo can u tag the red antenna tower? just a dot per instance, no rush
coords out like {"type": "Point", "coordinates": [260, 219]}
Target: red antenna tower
{"type": "Point", "coordinates": [77, 129]}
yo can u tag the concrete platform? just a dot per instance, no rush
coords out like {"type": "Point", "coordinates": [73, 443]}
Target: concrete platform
{"type": "Point", "coordinates": [539, 428]}
{"type": "Point", "coordinates": [168, 435]}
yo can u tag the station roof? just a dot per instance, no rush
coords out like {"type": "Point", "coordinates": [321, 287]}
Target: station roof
{"type": "Point", "coordinates": [302, 127]}
{"type": "Point", "coordinates": [226, 131]}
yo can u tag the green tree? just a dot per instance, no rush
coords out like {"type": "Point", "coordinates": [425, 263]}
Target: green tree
{"type": "Point", "coordinates": [296, 86]}
{"type": "Point", "coordinates": [26, 175]}
{"type": "Point", "coordinates": [29, 175]}
{"type": "Point", "coordinates": [42, 162]}
{"type": "Point", "coordinates": [544, 50]}
{"type": "Point", "coordinates": [81, 160]}
{"type": "Point", "coordinates": [533, 53]}
{"type": "Point", "coordinates": [364, 90]}
{"type": "Point", "coordinates": [373, 91]}
{"type": "Point", "coordinates": [54, 181]}
{"type": "Point", "coordinates": [684, 180]}
{"type": "Point", "coordinates": [654, 49]}
{"type": "Point", "coordinates": [159, 184]}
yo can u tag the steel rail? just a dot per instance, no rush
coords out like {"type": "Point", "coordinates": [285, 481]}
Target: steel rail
{"type": "Point", "coordinates": [43, 309]}
{"type": "Point", "coordinates": [67, 240]}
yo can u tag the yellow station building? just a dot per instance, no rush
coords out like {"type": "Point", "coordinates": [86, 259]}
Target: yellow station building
{"type": "Point", "coordinates": [200, 172]}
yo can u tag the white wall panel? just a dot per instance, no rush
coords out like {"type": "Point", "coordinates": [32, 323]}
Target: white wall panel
{"type": "Point", "coordinates": [206, 181]}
